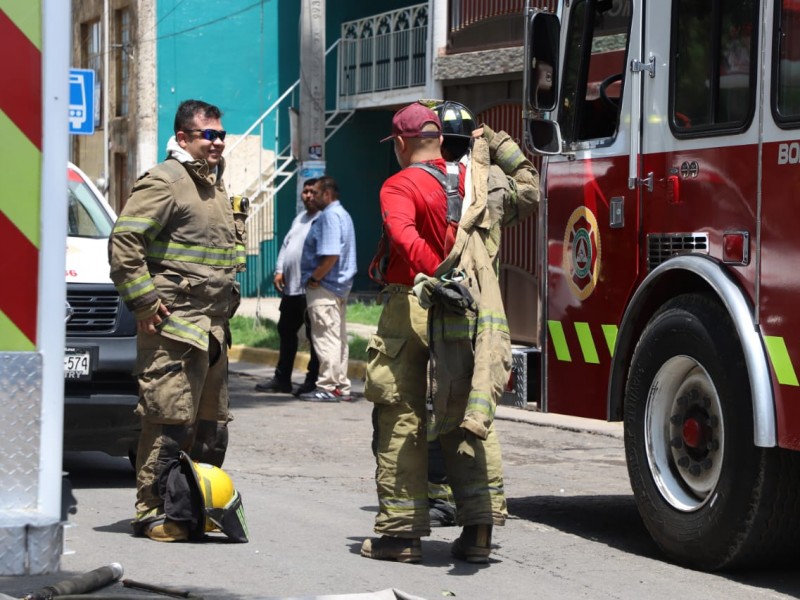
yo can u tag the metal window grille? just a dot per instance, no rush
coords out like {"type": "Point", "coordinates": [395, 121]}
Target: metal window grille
{"type": "Point", "coordinates": [384, 52]}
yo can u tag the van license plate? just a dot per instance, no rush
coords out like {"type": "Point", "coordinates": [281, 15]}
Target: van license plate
{"type": "Point", "coordinates": [77, 364]}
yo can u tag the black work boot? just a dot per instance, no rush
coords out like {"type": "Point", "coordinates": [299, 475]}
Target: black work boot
{"type": "Point", "coordinates": [442, 513]}
{"type": "Point", "coordinates": [404, 550]}
{"type": "Point", "coordinates": [474, 544]}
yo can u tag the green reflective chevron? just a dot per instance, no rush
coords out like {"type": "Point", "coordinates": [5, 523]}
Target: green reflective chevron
{"type": "Point", "coordinates": [587, 343]}
{"type": "Point", "coordinates": [559, 340]}
{"type": "Point", "coordinates": [610, 333]}
{"type": "Point", "coordinates": [781, 362]}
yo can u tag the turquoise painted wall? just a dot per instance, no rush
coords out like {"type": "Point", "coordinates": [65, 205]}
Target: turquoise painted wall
{"type": "Point", "coordinates": [360, 164]}
{"type": "Point", "coordinates": [242, 55]}
{"type": "Point", "coordinates": [354, 155]}
{"type": "Point", "coordinates": [225, 53]}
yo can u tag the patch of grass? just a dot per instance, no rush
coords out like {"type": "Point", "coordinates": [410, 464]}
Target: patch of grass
{"type": "Point", "coordinates": [366, 313]}
{"type": "Point", "coordinates": [256, 333]}
{"type": "Point", "coordinates": [263, 333]}
{"type": "Point", "coordinates": [358, 347]}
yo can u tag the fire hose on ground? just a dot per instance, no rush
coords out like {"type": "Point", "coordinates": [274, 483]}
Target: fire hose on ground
{"type": "Point", "coordinates": [81, 586]}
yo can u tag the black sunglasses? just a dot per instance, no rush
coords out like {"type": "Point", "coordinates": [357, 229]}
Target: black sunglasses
{"type": "Point", "coordinates": [210, 134]}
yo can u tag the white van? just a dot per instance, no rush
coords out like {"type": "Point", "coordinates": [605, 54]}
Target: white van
{"type": "Point", "coordinates": [100, 391]}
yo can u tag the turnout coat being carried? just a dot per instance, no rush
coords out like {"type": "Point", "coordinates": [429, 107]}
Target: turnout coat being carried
{"type": "Point", "coordinates": [470, 344]}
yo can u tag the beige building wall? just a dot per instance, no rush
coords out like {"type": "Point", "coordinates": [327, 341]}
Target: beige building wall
{"type": "Point", "coordinates": [114, 37]}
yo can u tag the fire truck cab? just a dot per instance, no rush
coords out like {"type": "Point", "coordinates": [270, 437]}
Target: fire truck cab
{"type": "Point", "coordinates": [670, 131]}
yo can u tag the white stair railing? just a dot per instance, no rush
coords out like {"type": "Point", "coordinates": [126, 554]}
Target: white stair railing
{"type": "Point", "coordinates": [261, 175]}
{"type": "Point", "coordinates": [383, 53]}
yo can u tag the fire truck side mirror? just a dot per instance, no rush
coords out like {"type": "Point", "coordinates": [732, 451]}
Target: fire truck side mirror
{"type": "Point", "coordinates": [543, 137]}
{"type": "Point", "coordinates": [544, 33]}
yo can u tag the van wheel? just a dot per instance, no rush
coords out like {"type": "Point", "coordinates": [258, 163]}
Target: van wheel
{"type": "Point", "coordinates": [708, 496]}
{"type": "Point", "coordinates": [132, 458]}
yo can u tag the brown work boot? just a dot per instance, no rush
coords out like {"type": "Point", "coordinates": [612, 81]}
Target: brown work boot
{"type": "Point", "coordinates": [474, 544]}
{"type": "Point", "coordinates": [167, 531]}
{"type": "Point", "coordinates": [386, 547]}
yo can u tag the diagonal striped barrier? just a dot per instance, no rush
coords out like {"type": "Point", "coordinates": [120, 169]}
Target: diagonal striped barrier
{"type": "Point", "coordinates": [21, 154]}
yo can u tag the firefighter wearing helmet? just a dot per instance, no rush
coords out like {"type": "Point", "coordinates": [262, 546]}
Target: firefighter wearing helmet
{"type": "Point", "coordinates": [458, 123]}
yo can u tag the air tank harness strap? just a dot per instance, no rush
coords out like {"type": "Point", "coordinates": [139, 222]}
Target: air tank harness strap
{"type": "Point", "coordinates": [449, 183]}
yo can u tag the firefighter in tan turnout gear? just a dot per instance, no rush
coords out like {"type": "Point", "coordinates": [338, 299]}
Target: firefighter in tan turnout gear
{"type": "Point", "coordinates": [449, 249]}
{"type": "Point", "coordinates": [174, 253]}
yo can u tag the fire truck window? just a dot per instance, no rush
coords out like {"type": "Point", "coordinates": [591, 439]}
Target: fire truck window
{"type": "Point", "coordinates": [788, 56]}
{"type": "Point", "coordinates": [568, 116]}
{"type": "Point", "coordinates": [713, 78]}
{"type": "Point", "coordinates": [594, 68]}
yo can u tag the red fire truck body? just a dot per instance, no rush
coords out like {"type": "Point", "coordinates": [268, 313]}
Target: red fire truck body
{"type": "Point", "coordinates": [670, 271]}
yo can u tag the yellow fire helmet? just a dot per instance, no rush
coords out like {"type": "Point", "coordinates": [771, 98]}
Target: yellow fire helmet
{"type": "Point", "coordinates": [222, 508]}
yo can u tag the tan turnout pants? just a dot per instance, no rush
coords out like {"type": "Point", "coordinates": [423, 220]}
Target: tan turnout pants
{"type": "Point", "coordinates": [183, 402]}
{"type": "Point", "coordinates": [396, 383]}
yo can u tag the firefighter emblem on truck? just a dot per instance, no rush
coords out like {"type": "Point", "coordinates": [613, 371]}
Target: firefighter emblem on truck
{"type": "Point", "coordinates": [582, 252]}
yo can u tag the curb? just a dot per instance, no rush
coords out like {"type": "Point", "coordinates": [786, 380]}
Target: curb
{"type": "Point", "coordinates": [356, 369]}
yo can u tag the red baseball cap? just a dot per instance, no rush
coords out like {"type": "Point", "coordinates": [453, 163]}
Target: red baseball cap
{"type": "Point", "coordinates": [409, 121]}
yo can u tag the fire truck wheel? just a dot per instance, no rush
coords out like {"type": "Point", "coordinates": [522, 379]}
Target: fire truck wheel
{"type": "Point", "coordinates": [708, 496]}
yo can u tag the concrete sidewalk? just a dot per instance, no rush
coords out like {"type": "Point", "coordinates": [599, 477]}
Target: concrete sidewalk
{"type": "Point", "coordinates": [260, 363]}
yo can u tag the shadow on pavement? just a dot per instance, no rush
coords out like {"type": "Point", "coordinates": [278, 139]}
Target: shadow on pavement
{"type": "Point", "coordinates": [611, 520]}
{"type": "Point", "coordinates": [435, 554]}
{"type": "Point", "coordinates": [615, 522]}
{"type": "Point", "coordinates": [92, 470]}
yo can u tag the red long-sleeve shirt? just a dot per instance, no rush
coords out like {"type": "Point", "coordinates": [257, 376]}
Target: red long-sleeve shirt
{"type": "Point", "coordinates": [414, 212]}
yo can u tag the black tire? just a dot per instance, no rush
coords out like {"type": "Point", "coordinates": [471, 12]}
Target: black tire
{"type": "Point", "coordinates": [710, 499]}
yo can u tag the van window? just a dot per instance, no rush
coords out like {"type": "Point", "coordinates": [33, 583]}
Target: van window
{"type": "Point", "coordinates": [712, 74]}
{"type": "Point", "coordinates": [786, 90]}
{"type": "Point", "coordinates": [594, 68]}
{"type": "Point", "coordinates": [86, 217]}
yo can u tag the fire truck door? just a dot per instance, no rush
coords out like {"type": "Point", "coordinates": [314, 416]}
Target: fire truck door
{"type": "Point", "coordinates": [700, 139]}
{"type": "Point", "coordinates": [592, 215]}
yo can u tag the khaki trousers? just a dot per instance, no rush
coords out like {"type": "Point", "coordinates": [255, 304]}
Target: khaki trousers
{"type": "Point", "coordinates": [327, 314]}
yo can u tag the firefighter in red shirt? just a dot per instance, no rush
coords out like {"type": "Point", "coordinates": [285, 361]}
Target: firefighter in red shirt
{"type": "Point", "coordinates": [418, 233]}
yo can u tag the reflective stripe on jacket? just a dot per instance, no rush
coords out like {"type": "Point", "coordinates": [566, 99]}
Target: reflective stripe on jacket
{"type": "Point", "coordinates": [175, 242]}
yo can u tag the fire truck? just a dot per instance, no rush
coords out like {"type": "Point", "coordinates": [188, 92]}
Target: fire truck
{"type": "Point", "coordinates": [670, 257]}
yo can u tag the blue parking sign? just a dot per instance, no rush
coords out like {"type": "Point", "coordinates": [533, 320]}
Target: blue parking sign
{"type": "Point", "coordinates": [81, 101]}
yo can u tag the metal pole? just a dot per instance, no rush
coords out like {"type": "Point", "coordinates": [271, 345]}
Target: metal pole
{"type": "Point", "coordinates": [312, 80]}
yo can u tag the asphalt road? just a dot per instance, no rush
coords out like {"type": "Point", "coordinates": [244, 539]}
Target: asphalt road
{"type": "Point", "coordinates": [305, 471]}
